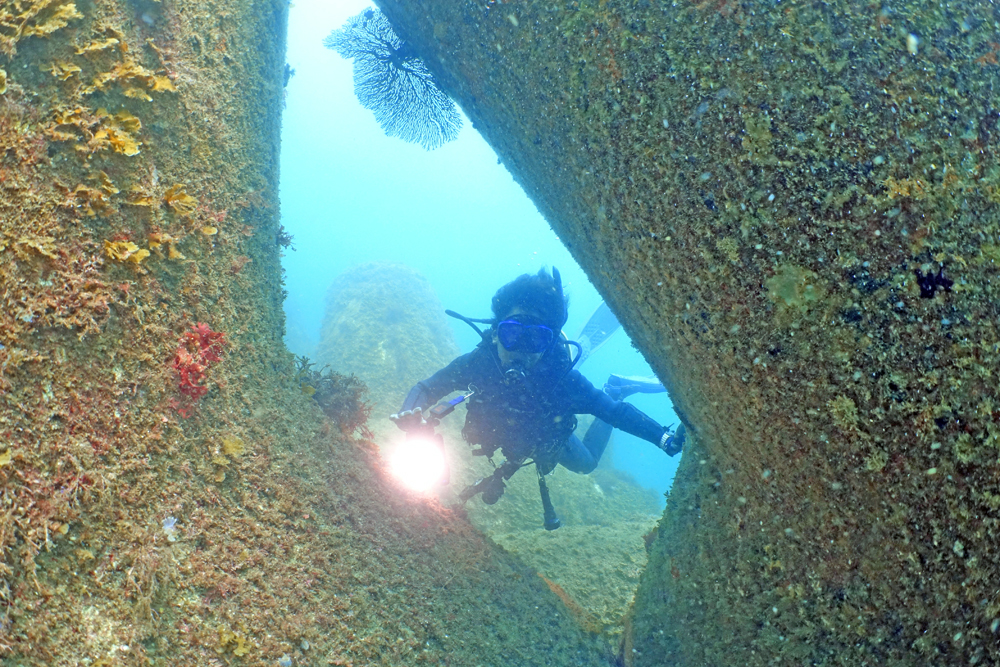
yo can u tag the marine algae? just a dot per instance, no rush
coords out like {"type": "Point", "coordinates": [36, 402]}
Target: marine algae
{"type": "Point", "coordinates": [20, 19]}
{"type": "Point", "coordinates": [233, 446]}
{"type": "Point", "coordinates": [233, 642]}
{"type": "Point", "coordinates": [182, 203]}
{"type": "Point", "coordinates": [125, 251]}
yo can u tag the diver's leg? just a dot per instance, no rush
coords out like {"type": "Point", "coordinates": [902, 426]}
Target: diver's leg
{"type": "Point", "coordinates": [575, 456]}
{"type": "Point", "coordinates": [596, 438]}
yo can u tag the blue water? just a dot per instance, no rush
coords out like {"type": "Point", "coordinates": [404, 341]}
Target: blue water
{"type": "Point", "coordinates": [350, 195]}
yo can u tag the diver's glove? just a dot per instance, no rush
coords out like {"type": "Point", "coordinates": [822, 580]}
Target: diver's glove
{"type": "Point", "coordinates": [412, 421]}
{"type": "Point", "coordinates": [673, 442]}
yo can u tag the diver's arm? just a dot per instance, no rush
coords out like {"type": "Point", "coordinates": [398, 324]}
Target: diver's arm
{"type": "Point", "coordinates": [427, 392]}
{"type": "Point", "coordinates": [630, 419]}
{"type": "Point", "coordinates": [419, 397]}
{"type": "Point", "coordinates": [621, 415]}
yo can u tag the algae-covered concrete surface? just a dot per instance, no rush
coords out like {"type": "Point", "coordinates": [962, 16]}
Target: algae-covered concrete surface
{"type": "Point", "coordinates": [168, 494]}
{"type": "Point", "coordinates": [794, 210]}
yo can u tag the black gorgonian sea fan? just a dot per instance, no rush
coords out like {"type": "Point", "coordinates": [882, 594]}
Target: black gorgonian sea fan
{"type": "Point", "coordinates": [394, 83]}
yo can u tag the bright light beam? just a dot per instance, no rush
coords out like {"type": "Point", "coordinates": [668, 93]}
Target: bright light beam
{"type": "Point", "coordinates": [419, 464]}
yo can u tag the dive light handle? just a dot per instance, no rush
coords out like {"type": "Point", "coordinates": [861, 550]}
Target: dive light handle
{"type": "Point", "coordinates": [445, 408]}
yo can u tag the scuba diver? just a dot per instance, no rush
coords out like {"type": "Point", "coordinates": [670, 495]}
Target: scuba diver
{"type": "Point", "coordinates": [523, 392]}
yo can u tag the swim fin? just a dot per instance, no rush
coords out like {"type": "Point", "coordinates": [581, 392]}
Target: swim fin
{"type": "Point", "coordinates": [620, 386]}
{"type": "Point", "coordinates": [596, 331]}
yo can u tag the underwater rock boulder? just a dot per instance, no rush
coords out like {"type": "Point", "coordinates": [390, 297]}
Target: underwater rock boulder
{"type": "Point", "coordinates": [794, 211]}
{"type": "Point", "coordinates": [384, 324]}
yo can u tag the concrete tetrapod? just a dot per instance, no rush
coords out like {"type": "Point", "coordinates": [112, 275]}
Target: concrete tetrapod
{"type": "Point", "coordinates": [794, 210]}
{"type": "Point", "coordinates": [170, 495]}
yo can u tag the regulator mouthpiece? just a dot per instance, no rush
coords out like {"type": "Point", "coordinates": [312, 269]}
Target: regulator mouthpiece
{"type": "Point", "coordinates": [512, 375]}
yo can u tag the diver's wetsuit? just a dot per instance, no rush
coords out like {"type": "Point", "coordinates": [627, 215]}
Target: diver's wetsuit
{"type": "Point", "coordinates": [534, 417]}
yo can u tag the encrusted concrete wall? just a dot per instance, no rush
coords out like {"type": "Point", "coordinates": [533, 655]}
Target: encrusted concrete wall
{"type": "Point", "coordinates": [794, 209]}
{"type": "Point", "coordinates": [168, 493]}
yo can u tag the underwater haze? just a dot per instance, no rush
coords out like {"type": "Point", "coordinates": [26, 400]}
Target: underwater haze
{"type": "Point", "coordinates": [351, 195]}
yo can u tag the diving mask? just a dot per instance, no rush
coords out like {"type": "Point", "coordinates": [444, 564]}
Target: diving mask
{"type": "Point", "coordinates": [529, 338]}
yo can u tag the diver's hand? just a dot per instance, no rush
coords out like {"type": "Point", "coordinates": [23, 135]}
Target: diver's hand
{"type": "Point", "coordinates": [673, 442]}
{"type": "Point", "coordinates": [411, 420]}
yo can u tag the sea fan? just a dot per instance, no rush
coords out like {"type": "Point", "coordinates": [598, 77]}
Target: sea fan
{"type": "Point", "coordinates": [394, 83]}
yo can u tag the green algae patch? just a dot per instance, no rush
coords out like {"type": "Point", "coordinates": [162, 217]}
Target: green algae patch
{"type": "Point", "coordinates": [844, 412]}
{"type": "Point", "coordinates": [757, 138]}
{"type": "Point", "coordinates": [794, 287]}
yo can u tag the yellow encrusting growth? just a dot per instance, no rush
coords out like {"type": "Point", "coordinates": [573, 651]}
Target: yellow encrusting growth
{"type": "Point", "coordinates": [234, 642]}
{"type": "Point", "coordinates": [125, 250]}
{"type": "Point", "coordinates": [63, 70]}
{"type": "Point", "coordinates": [97, 45]}
{"type": "Point", "coordinates": [233, 446]}
{"type": "Point", "coordinates": [181, 202]}
{"type": "Point", "coordinates": [20, 19]}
